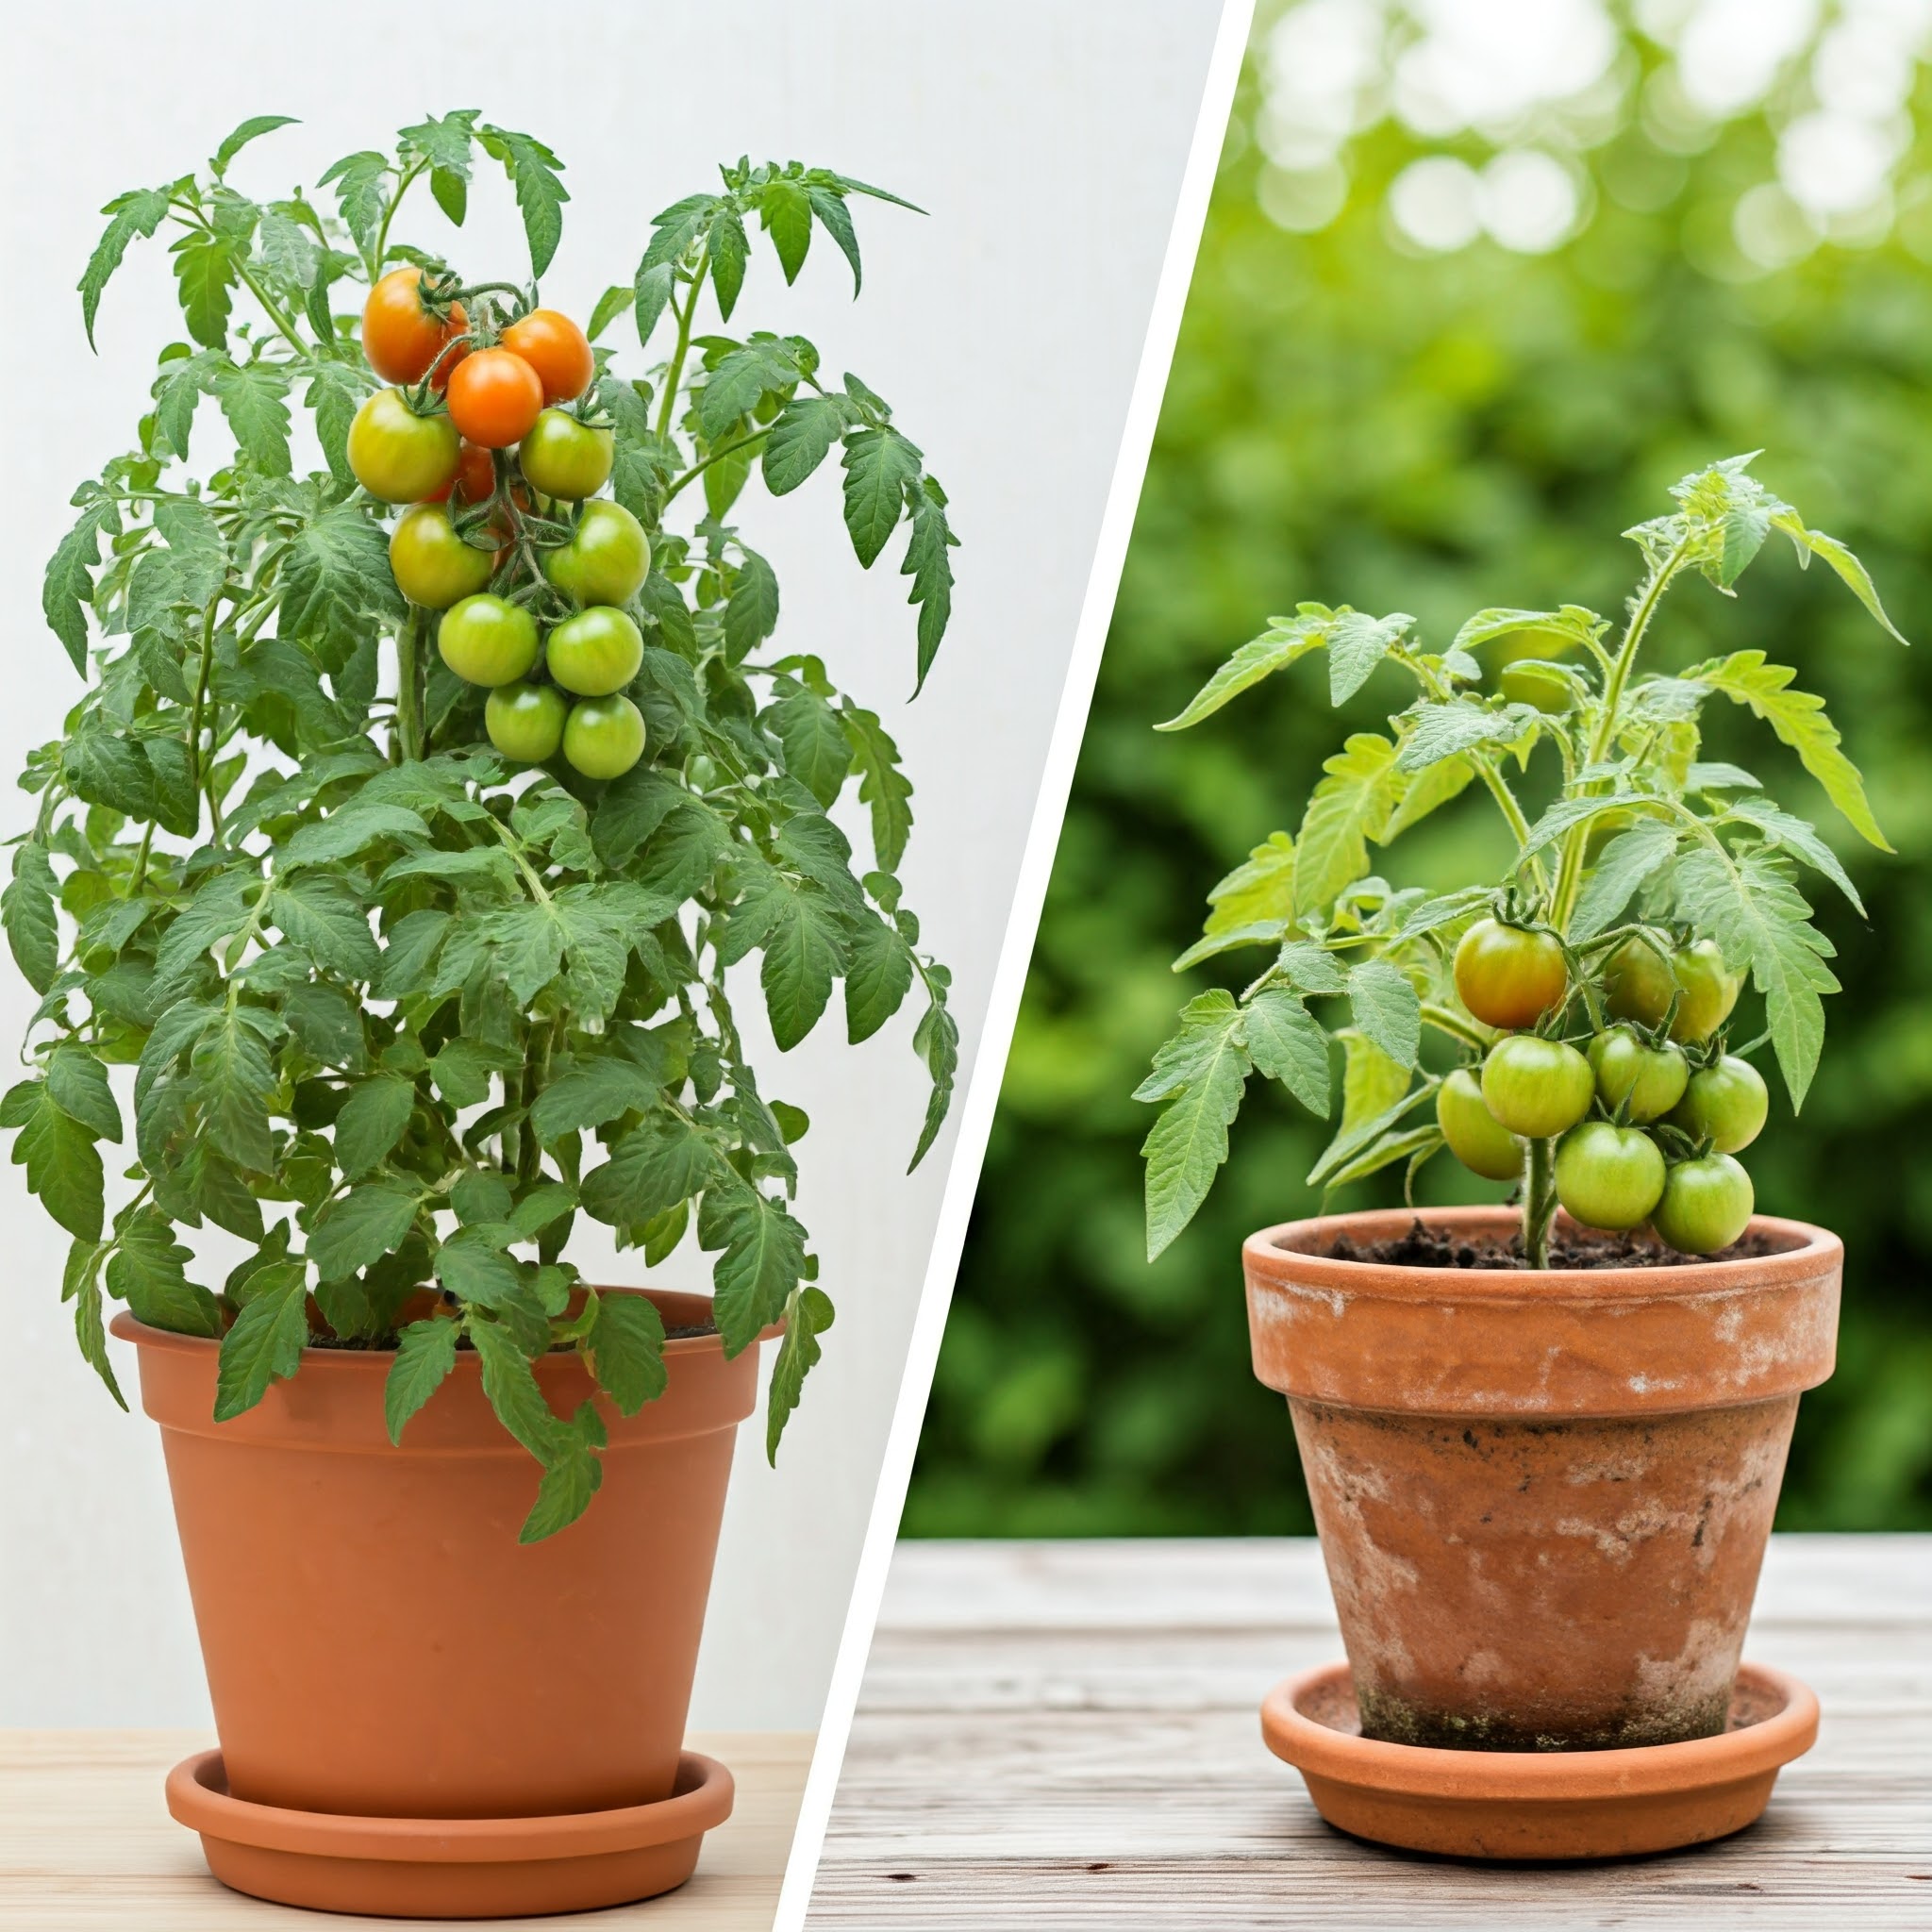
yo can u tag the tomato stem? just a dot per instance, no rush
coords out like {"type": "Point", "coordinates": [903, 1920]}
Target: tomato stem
{"type": "Point", "coordinates": [408, 733]}
{"type": "Point", "coordinates": [1539, 1201]}
{"type": "Point", "coordinates": [674, 369]}
{"type": "Point", "coordinates": [697, 470]}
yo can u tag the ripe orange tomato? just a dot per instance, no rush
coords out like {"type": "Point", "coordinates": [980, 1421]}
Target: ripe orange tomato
{"type": "Point", "coordinates": [494, 397]}
{"type": "Point", "coordinates": [556, 349]}
{"type": "Point", "coordinates": [400, 336]}
{"type": "Point", "coordinates": [475, 476]}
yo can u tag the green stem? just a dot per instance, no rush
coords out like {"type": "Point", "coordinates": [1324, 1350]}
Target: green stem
{"type": "Point", "coordinates": [147, 839]}
{"type": "Point", "coordinates": [195, 716]}
{"type": "Point", "coordinates": [409, 734]}
{"type": "Point", "coordinates": [388, 214]}
{"type": "Point", "coordinates": [697, 470]}
{"type": "Point", "coordinates": [275, 315]}
{"type": "Point", "coordinates": [1539, 1201]}
{"type": "Point", "coordinates": [674, 369]}
{"type": "Point", "coordinates": [513, 845]}
{"type": "Point", "coordinates": [1445, 1020]}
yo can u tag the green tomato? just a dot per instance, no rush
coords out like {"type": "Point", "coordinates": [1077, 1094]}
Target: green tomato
{"type": "Point", "coordinates": [431, 564]}
{"type": "Point", "coordinates": [1608, 1177]}
{"type": "Point", "coordinates": [525, 721]}
{"type": "Point", "coordinates": [1535, 1087]}
{"type": "Point", "coordinates": [603, 738]}
{"type": "Point", "coordinates": [488, 639]}
{"type": "Point", "coordinates": [1508, 976]}
{"type": "Point", "coordinates": [1650, 1079]}
{"type": "Point", "coordinates": [1706, 1204]}
{"type": "Point", "coordinates": [606, 558]}
{"type": "Point", "coordinates": [1725, 1104]}
{"type": "Point", "coordinates": [399, 456]}
{"type": "Point", "coordinates": [594, 653]}
{"type": "Point", "coordinates": [1709, 992]}
{"type": "Point", "coordinates": [1472, 1131]}
{"type": "Point", "coordinates": [1637, 984]}
{"type": "Point", "coordinates": [563, 458]}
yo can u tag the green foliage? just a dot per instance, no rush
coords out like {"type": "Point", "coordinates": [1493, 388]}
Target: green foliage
{"type": "Point", "coordinates": [1444, 434]}
{"type": "Point", "coordinates": [419, 1006]}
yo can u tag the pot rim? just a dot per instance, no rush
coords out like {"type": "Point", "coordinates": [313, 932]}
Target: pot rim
{"type": "Point", "coordinates": [1268, 1250]}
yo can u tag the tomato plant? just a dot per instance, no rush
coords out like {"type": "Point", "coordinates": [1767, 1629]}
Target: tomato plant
{"type": "Point", "coordinates": [1638, 903]}
{"type": "Point", "coordinates": [415, 961]}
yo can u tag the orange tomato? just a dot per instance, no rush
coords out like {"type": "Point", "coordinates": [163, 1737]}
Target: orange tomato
{"type": "Point", "coordinates": [401, 337]}
{"type": "Point", "coordinates": [494, 397]}
{"type": "Point", "coordinates": [556, 349]}
{"type": "Point", "coordinates": [475, 476]}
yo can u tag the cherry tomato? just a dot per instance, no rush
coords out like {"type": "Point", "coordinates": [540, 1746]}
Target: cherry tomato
{"type": "Point", "coordinates": [1608, 1177]}
{"type": "Point", "coordinates": [494, 397]}
{"type": "Point", "coordinates": [1508, 976]}
{"type": "Point", "coordinates": [1637, 984]}
{"type": "Point", "coordinates": [606, 560]}
{"type": "Point", "coordinates": [1710, 991]}
{"type": "Point", "coordinates": [488, 639]}
{"type": "Point", "coordinates": [595, 652]}
{"type": "Point", "coordinates": [556, 349]}
{"type": "Point", "coordinates": [1650, 1079]}
{"type": "Point", "coordinates": [604, 737]}
{"type": "Point", "coordinates": [566, 459]}
{"type": "Point", "coordinates": [402, 335]}
{"type": "Point", "coordinates": [397, 455]}
{"type": "Point", "coordinates": [1537, 1088]}
{"type": "Point", "coordinates": [1706, 1204]}
{"type": "Point", "coordinates": [1471, 1130]}
{"type": "Point", "coordinates": [432, 565]}
{"type": "Point", "coordinates": [1725, 1104]}
{"type": "Point", "coordinates": [1531, 681]}
{"type": "Point", "coordinates": [474, 480]}
{"type": "Point", "coordinates": [525, 721]}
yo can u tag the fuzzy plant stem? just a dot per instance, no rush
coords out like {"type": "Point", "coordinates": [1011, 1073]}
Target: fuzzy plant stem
{"type": "Point", "coordinates": [1539, 1201]}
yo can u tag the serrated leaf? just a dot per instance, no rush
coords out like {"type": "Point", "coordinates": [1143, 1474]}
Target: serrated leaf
{"type": "Point", "coordinates": [541, 195]}
{"type": "Point", "coordinates": [266, 1340]}
{"type": "Point", "coordinates": [1442, 731]}
{"type": "Point", "coordinates": [139, 213]}
{"type": "Point", "coordinates": [322, 914]}
{"type": "Point", "coordinates": [372, 1121]}
{"type": "Point", "coordinates": [63, 1166]}
{"type": "Point", "coordinates": [883, 785]}
{"type": "Point", "coordinates": [205, 275]}
{"type": "Point", "coordinates": [661, 1161]}
{"type": "Point", "coordinates": [27, 910]}
{"type": "Point", "coordinates": [250, 129]}
{"type": "Point", "coordinates": [1376, 1094]}
{"type": "Point", "coordinates": [1286, 1042]}
{"type": "Point", "coordinates": [360, 181]}
{"type": "Point", "coordinates": [879, 975]}
{"type": "Point", "coordinates": [81, 1285]}
{"type": "Point", "coordinates": [799, 440]}
{"type": "Point", "coordinates": [651, 295]}
{"type": "Point", "coordinates": [1573, 622]}
{"type": "Point", "coordinates": [591, 1093]}
{"type": "Point", "coordinates": [77, 1084]}
{"type": "Point", "coordinates": [804, 952]}
{"type": "Point", "coordinates": [359, 1229]}
{"type": "Point", "coordinates": [762, 1260]}
{"type": "Point", "coordinates": [1352, 802]}
{"type": "Point", "coordinates": [425, 1352]}
{"type": "Point", "coordinates": [1200, 1074]}
{"type": "Point", "coordinates": [1424, 793]}
{"type": "Point", "coordinates": [808, 1315]}
{"type": "Point", "coordinates": [572, 1477]}
{"type": "Point", "coordinates": [67, 587]}
{"type": "Point", "coordinates": [729, 249]}
{"type": "Point", "coordinates": [751, 612]}
{"type": "Point", "coordinates": [1259, 892]}
{"type": "Point", "coordinates": [1798, 719]}
{"type": "Point", "coordinates": [1285, 641]}
{"type": "Point", "coordinates": [930, 564]}
{"type": "Point", "coordinates": [250, 395]}
{"type": "Point", "coordinates": [1386, 1010]}
{"type": "Point", "coordinates": [336, 581]}
{"type": "Point", "coordinates": [1816, 543]}
{"type": "Point", "coordinates": [785, 214]}
{"type": "Point", "coordinates": [510, 1385]}
{"type": "Point", "coordinates": [147, 1271]}
{"type": "Point", "coordinates": [818, 752]}
{"type": "Point", "coordinates": [1624, 864]}
{"type": "Point", "coordinates": [1794, 835]}
{"type": "Point", "coordinates": [444, 143]}
{"type": "Point", "coordinates": [473, 1266]}
{"type": "Point", "coordinates": [1356, 644]}
{"type": "Point", "coordinates": [626, 1346]}
{"type": "Point", "coordinates": [836, 219]}
{"type": "Point", "coordinates": [879, 466]}
{"type": "Point", "coordinates": [936, 1041]}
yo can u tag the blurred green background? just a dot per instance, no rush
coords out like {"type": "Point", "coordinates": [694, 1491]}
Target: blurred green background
{"type": "Point", "coordinates": [1479, 282]}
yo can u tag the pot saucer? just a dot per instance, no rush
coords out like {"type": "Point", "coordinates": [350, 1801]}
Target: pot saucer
{"type": "Point", "coordinates": [450, 1868]}
{"type": "Point", "coordinates": [1536, 1805]}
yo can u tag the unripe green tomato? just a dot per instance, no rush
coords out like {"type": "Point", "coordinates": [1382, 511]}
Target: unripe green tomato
{"type": "Point", "coordinates": [1608, 1177]}
{"type": "Point", "coordinates": [1535, 1087]}
{"type": "Point", "coordinates": [1508, 976]}
{"type": "Point", "coordinates": [1637, 984]}
{"type": "Point", "coordinates": [1706, 1204]}
{"type": "Point", "coordinates": [606, 558]}
{"type": "Point", "coordinates": [566, 459]}
{"type": "Point", "coordinates": [1725, 1104]}
{"type": "Point", "coordinates": [1651, 1078]}
{"type": "Point", "coordinates": [431, 564]}
{"type": "Point", "coordinates": [486, 640]}
{"type": "Point", "coordinates": [525, 721]}
{"type": "Point", "coordinates": [1473, 1133]}
{"type": "Point", "coordinates": [1710, 991]}
{"type": "Point", "coordinates": [594, 653]}
{"type": "Point", "coordinates": [1531, 681]}
{"type": "Point", "coordinates": [399, 456]}
{"type": "Point", "coordinates": [603, 738]}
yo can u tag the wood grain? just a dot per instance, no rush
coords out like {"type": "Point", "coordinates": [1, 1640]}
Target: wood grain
{"type": "Point", "coordinates": [87, 1845]}
{"type": "Point", "coordinates": [1065, 1735]}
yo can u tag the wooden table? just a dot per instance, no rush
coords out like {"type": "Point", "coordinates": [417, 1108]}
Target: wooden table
{"type": "Point", "coordinates": [1065, 1735]}
{"type": "Point", "coordinates": [87, 1845]}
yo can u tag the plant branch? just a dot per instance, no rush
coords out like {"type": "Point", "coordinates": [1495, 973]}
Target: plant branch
{"type": "Point", "coordinates": [697, 470]}
{"type": "Point", "coordinates": [674, 369]}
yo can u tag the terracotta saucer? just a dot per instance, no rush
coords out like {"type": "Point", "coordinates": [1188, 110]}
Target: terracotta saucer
{"type": "Point", "coordinates": [1533, 1804]}
{"type": "Point", "coordinates": [450, 1868]}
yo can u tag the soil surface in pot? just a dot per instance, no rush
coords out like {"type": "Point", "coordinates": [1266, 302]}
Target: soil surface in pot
{"type": "Point", "coordinates": [674, 1331]}
{"type": "Point", "coordinates": [1428, 1247]}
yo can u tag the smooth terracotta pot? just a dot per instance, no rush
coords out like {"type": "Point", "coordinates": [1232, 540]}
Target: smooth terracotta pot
{"type": "Point", "coordinates": [1543, 1498]}
{"type": "Point", "coordinates": [377, 1641]}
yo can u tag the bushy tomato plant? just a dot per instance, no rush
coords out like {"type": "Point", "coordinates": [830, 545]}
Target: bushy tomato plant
{"type": "Point", "coordinates": [1596, 985]}
{"type": "Point", "coordinates": [411, 959]}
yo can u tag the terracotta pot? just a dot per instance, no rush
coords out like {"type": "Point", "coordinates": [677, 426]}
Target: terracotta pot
{"type": "Point", "coordinates": [1543, 1498]}
{"type": "Point", "coordinates": [378, 1644]}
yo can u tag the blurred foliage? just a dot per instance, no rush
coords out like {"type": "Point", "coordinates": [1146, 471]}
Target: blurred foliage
{"type": "Point", "coordinates": [1350, 419]}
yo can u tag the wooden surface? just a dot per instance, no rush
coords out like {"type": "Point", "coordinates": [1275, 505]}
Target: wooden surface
{"type": "Point", "coordinates": [87, 1845]}
{"type": "Point", "coordinates": [1066, 1734]}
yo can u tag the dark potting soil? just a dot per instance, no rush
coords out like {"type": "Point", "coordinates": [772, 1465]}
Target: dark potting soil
{"type": "Point", "coordinates": [674, 1331]}
{"type": "Point", "coordinates": [1428, 1247]}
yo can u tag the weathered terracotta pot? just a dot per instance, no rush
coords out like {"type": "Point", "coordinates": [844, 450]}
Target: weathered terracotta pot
{"type": "Point", "coordinates": [1543, 1498]}
{"type": "Point", "coordinates": [378, 1644]}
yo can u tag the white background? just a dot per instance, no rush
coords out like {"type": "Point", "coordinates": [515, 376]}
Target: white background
{"type": "Point", "coordinates": [1047, 139]}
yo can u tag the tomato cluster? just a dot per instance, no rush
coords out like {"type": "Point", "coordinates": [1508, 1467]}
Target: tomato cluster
{"type": "Point", "coordinates": [504, 528]}
{"type": "Point", "coordinates": [1615, 1108]}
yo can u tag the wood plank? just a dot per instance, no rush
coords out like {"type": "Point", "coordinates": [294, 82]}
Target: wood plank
{"type": "Point", "coordinates": [87, 1845]}
{"type": "Point", "coordinates": [1065, 1735]}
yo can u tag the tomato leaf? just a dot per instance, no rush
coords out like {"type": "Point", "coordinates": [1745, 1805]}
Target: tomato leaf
{"type": "Point", "coordinates": [533, 170]}
{"type": "Point", "coordinates": [141, 213]}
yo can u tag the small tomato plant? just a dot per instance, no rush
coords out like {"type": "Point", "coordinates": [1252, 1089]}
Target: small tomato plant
{"type": "Point", "coordinates": [418, 807]}
{"type": "Point", "coordinates": [1586, 996]}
